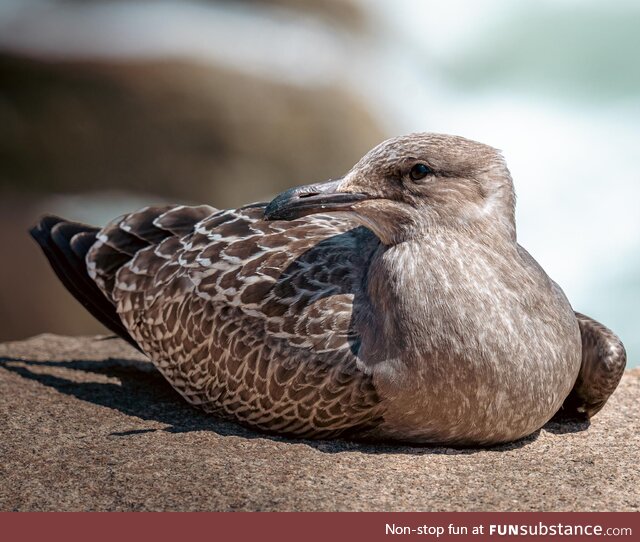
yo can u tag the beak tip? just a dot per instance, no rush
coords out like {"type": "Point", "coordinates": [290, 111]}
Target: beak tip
{"type": "Point", "coordinates": [310, 199]}
{"type": "Point", "coordinates": [268, 212]}
{"type": "Point", "coordinates": [277, 207]}
{"type": "Point", "coordinates": [271, 214]}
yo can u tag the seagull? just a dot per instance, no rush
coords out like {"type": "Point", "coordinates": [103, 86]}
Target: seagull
{"type": "Point", "coordinates": [391, 304]}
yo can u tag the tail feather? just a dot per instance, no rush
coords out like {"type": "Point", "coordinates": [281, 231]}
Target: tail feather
{"type": "Point", "coordinates": [65, 244]}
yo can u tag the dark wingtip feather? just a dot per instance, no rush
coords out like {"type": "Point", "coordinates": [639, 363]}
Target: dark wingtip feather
{"type": "Point", "coordinates": [65, 245]}
{"type": "Point", "coordinates": [40, 231]}
{"type": "Point", "coordinates": [82, 242]}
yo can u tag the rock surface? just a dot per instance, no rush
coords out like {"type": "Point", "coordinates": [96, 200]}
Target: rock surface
{"type": "Point", "coordinates": [88, 424]}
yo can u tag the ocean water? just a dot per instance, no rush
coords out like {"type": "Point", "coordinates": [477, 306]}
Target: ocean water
{"type": "Point", "coordinates": [555, 84]}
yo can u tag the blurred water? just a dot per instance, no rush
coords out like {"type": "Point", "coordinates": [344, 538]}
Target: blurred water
{"type": "Point", "coordinates": [554, 84]}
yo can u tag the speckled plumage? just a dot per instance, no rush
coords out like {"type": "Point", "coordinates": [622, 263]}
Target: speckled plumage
{"type": "Point", "coordinates": [412, 314]}
{"type": "Point", "coordinates": [246, 318]}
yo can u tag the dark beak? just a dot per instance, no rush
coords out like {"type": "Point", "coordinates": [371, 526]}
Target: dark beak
{"type": "Point", "coordinates": [312, 198]}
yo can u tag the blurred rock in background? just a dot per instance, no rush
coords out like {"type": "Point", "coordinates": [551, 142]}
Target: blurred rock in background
{"type": "Point", "coordinates": [89, 136]}
{"type": "Point", "coordinates": [178, 129]}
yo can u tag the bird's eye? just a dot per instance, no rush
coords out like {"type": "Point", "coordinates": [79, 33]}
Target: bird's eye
{"type": "Point", "coordinates": [419, 171]}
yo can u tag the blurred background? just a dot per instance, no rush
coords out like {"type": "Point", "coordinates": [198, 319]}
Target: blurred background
{"type": "Point", "coordinates": [106, 106]}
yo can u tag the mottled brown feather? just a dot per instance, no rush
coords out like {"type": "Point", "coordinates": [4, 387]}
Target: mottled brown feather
{"type": "Point", "coordinates": [233, 311]}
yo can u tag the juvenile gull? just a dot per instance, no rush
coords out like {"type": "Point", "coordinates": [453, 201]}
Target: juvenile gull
{"type": "Point", "coordinates": [394, 303]}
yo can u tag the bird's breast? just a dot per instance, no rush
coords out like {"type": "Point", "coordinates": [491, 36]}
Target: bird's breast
{"type": "Point", "coordinates": [468, 341]}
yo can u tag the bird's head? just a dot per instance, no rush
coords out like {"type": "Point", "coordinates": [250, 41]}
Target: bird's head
{"type": "Point", "coordinates": [409, 185]}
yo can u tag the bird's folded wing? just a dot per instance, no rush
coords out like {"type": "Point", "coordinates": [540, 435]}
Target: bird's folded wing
{"type": "Point", "coordinates": [236, 304]}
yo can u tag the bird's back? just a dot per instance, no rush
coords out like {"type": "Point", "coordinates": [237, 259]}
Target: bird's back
{"type": "Point", "coordinates": [246, 318]}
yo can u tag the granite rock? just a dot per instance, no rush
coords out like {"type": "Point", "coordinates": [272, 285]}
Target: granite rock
{"type": "Point", "coordinates": [87, 423]}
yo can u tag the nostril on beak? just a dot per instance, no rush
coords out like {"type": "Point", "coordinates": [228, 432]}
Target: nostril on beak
{"type": "Point", "coordinates": [308, 194]}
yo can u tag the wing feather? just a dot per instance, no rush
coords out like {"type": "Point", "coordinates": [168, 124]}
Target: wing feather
{"type": "Point", "coordinates": [253, 319]}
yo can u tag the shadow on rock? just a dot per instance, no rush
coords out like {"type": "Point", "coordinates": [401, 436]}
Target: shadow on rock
{"type": "Point", "coordinates": [565, 426]}
{"type": "Point", "coordinates": [143, 392]}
